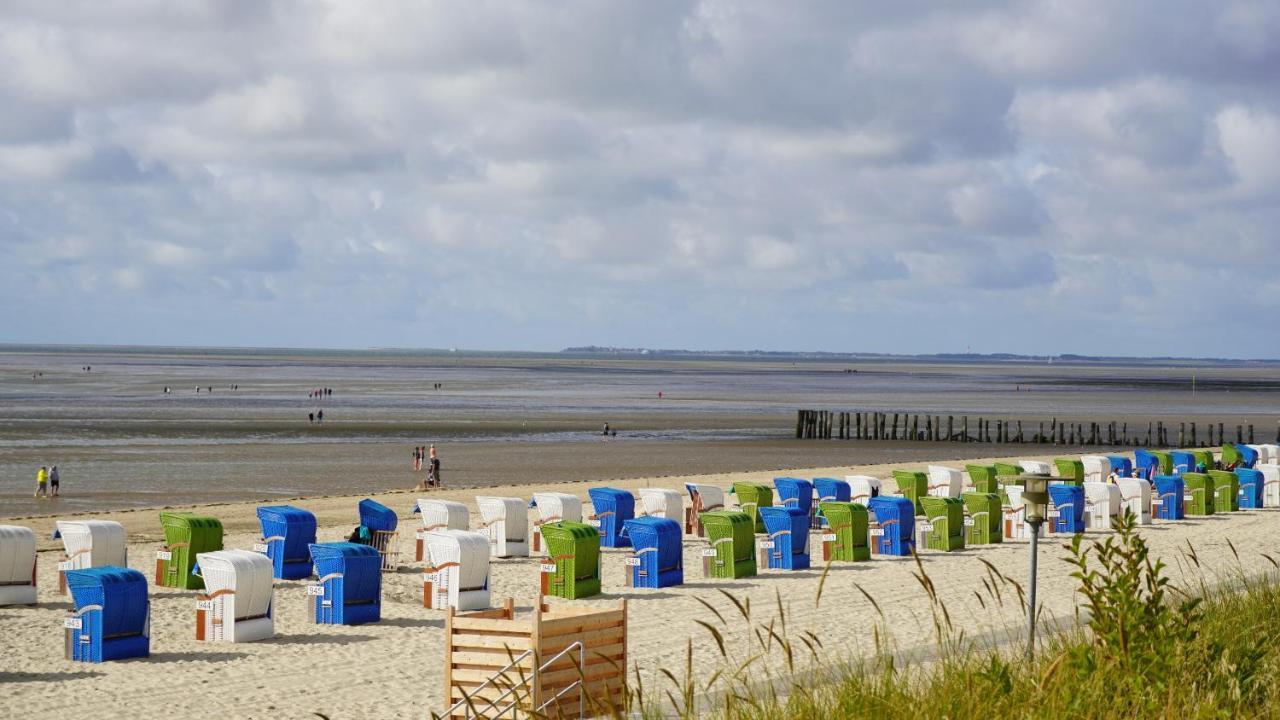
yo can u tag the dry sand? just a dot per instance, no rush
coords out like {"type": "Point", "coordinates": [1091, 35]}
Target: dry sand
{"type": "Point", "coordinates": [394, 668]}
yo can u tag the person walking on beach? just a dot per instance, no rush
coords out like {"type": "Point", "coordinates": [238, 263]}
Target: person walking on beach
{"type": "Point", "coordinates": [433, 474]}
{"type": "Point", "coordinates": [320, 416]}
{"type": "Point", "coordinates": [53, 481]}
{"type": "Point", "coordinates": [42, 478]}
{"type": "Point", "coordinates": [311, 418]}
{"type": "Point", "coordinates": [417, 458]}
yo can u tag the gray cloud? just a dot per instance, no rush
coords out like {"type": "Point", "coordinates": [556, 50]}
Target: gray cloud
{"type": "Point", "coordinates": [1038, 177]}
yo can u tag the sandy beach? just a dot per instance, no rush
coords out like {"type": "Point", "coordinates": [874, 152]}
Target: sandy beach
{"type": "Point", "coordinates": [394, 668]}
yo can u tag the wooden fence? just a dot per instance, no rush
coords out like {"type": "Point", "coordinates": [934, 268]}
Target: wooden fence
{"type": "Point", "coordinates": [480, 645]}
{"type": "Point", "coordinates": [873, 425]}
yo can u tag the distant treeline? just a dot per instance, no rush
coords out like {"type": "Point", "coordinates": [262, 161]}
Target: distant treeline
{"type": "Point", "coordinates": [933, 357]}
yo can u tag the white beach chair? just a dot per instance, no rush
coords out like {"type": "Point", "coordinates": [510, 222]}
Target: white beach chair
{"type": "Point", "coordinates": [458, 570]}
{"type": "Point", "coordinates": [1135, 495]}
{"type": "Point", "coordinates": [663, 503]}
{"type": "Point", "coordinates": [237, 604]}
{"type": "Point", "coordinates": [945, 481]}
{"type": "Point", "coordinates": [90, 543]}
{"type": "Point", "coordinates": [1102, 502]}
{"type": "Point", "coordinates": [439, 515]}
{"type": "Point", "coordinates": [1015, 515]}
{"type": "Point", "coordinates": [862, 488]}
{"type": "Point", "coordinates": [1264, 453]}
{"type": "Point", "coordinates": [505, 521]}
{"type": "Point", "coordinates": [1273, 455]}
{"type": "Point", "coordinates": [554, 507]}
{"type": "Point", "coordinates": [17, 565]}
{"type": "Point", "coordinates": [1097, 468]}
{"type": "Point", "coordinates": [1270, 484]}
{"type": "Point", "coordinates": [1035, 467]}
{"type": "Point", "coordinates": [703, 498]}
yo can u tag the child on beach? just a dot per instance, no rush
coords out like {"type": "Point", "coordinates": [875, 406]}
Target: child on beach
{"type": "Point", "coordinates": [42, 479]}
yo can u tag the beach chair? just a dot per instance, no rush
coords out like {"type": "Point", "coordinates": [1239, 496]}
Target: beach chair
{"type": "Point", "coordinates": [554, 507]}
{"type": "Point", "coordinates": [381, 522]}
{"type": "Point", "coordinates": [1014, 512]}
{"type": "Point", "coordinates": [912, 485]}
{"type": "Point", "coordinates": [574, 549]}
{"type": "Point", "coordinates": [1169, 491]}
{"type": "Point", "coordinates": [1205, 458]}
{"type": "Point", "coordinates": [797, 493]}
{"type": "Point", "coordinates": [1226, 490]}
{"type": "Point", "coordinates": [612, 508]}
{"type": "Point", "coordinates": [862, 488]}
{"type": "Point", "coordinates": [1121, 466]}
{"type": "Point", "coordinates": [662, 503]}
{"type": "Point", "coordinates": [1135, 496]}
{"type": "Point", "coordinates": [703, 498]}
{"type": "Point", "coordinates": [1103, 503]}
{"type": "Point", "coordinates": [1200, 493]}
{"type": "Point", "coordinates": [846, 537]}
{"type": "Point", "coordinates": [829, 490]}
{"type": "Point", "coordinates": [1035, 467]}
{"type": "Point", "coordinates": [944, 523]}
{"type": "Point", "coordinates": [186, 535]}
{"type": "Point", "coordinates": [1231, 456]}
{"type": "Point", "coordinates": [1070, 470]}
{"type": "Point", "coordinates": [1268, 454]}
{"type": "Point", "coordinates": [983, 478]}
{"type": "Point", "coordinates": [732, 537]}
{"type": "Point", "coordinates": [1270, 484]}
{"type": "Point", "coordinates": [752, 497]}
{"type": "Point", "coordinates": [457, 573]}
{"type": "Point", "coordinates": [1164, 461]}
{"type": "Point", "coordinates": [438, 515]}
{"type": "Point", "coordinates": [112, 616]}
{"type": "Point", "coordinates": [1248, 456]}
{"type": "Point", "coordinates": [237, 604]}
{"type": "Point", "coordinates": [1147, 464]}
{"type": "Point", "coordinates": [787, 544]}
{"type": "Point", "coordinates": [658, 546]}
{"type": "Point", "coordinates": [1004, 469]}
{"type": "Point", "coordinates": [90, 544]}
{"type": "Point", "coordinates": [17, 565]}
{"type": "Point", "coordinates": [984, 510]}
{"type": "Point", "coordinates": [893, 526]}
{"type": "Point", "coordinates": [349, 591]}
{"type": "Point", "coordinates": [505, 521]}
{"type": "Point", "coordinates": [945, 481]}
{"type": "Point", "coordinates": [1097, 468]}
{"type": "Point", "coordinates": [1251, 486]}
{"type": "Point", "coordinates": [1184, 461]}
{"type": "Point", "coordinates": [286, 533]}
{"type": "Point", "coordinates": [1068, 502]}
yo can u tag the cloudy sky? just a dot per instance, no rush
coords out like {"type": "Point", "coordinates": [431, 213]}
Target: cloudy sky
{"type": "Point", "coordinates": [1040, 177]}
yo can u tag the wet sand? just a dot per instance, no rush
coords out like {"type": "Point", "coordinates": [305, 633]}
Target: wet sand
{"type": "Point", "coordinates": [394, 668]}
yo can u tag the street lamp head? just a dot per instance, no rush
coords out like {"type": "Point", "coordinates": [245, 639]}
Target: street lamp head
{"type": "Point", "coordinates": [1035, 496]}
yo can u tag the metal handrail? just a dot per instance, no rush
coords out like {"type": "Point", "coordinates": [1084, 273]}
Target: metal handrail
{"type": "Point", "coordinates": [492, 704]}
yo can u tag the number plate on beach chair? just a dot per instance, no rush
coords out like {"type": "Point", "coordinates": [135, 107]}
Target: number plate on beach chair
{"type": "Point", "coordinates": [73, 623]}
{"type": "Point", "coordinates": [631, 561]}
{"type": "Point", "coordinates": [164, 555]}
{"type": "Point", "coordinates": [315, 590]}
{"type": "Point", "coordinates": [829, 537]}
{"type": "Point", "coordinates": [260, 547]}
{"type": "Point", "coordinates": [547, 567]}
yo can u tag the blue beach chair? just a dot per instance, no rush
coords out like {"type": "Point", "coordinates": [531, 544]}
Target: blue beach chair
{"type": "Point", "coordinates": [613, 508]}
{"type": "Point", "coordinates": [1169, 490]}
{"type": "Point", "coordinates": [830, 490]}
{"type": "Point", "coordinates": [1148, 464]}
{"type": "Point", "coordinates": [1068, 500]}
{"type": "Point", "coordinates": [112, 614]}
{"type": "Point", "coordinates": [351, 583]}
{"type": "Point", "coordinates": [1121, 465]}
{"type": "Point", "coordinates": [1251, 483]}
{"type": "Point", "coordinates": [896, 517]}
{"type": "Point", "coordinates": [788, 530]}
{"type": "Point", "coordinates": [1183, 462]}
{"type": "Point", "coordinates": [287, 531]}
{"type": "Point", "coordinates": [1248, 456]}
{"type": "Point", "coordinates": [659, 552]}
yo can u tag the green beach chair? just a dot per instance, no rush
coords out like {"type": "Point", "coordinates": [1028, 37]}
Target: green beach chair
{"type": "Point", "coordinates": [1007, 470]}
{"type": "Point", "coordinates": [1166, 461]}
{"type": "Point", "coordinates": [1070, 470]}
{"type": "Point", "coordinates": [574, 547]}
{"type": "Point", "coordinates": [185, 535]}
{"type": "Point", "coordinates": [751, 497]}
{"type": "Point", "coordinates": [1231, 455]}
{"type": "Point", "coordinates": [985, 514]}
{"type": "Point", "coordinates": [1199, 488]}
{"type": "Point", "coordinates": [1226, 490]}
{"type": "Point", "coordinates": [984, 478]}
{"type": "Point", "coordinates": [913, 486]}
{"type": "Point", "coordinates": [947, 517]}
{"type": "Point", "coordinates": [848, 522]}
{"type": "Point", "coordinates": [1206, 457]}
{"type": "Point", "coordinates": [732, 537]}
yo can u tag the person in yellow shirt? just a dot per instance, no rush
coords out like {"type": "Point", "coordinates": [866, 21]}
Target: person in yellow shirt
{"type": "Point", "coordinates": [42, 482]}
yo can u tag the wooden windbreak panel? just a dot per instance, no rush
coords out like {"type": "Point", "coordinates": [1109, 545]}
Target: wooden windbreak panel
{"type": "Point", "coordinates": [480, 644]}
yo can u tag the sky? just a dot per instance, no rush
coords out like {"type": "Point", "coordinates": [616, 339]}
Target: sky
{"type": "Point", "coordinates": [1084, 177]}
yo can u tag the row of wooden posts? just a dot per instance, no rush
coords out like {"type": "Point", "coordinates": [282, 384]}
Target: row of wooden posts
{"type": "Point", "coordinates": [829, 424]}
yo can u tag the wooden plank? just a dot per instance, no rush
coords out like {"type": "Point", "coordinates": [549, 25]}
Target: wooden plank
{"type": "Point", "coordinates": [496, 659]}
{"type": "Point", "coordinates": [581, 624]}
{"type": "Point", "coordinates": [492, 625]}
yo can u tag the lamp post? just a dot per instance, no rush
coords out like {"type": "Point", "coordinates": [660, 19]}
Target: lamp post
{"type": "Point", "coordinates": [1035, 499]}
